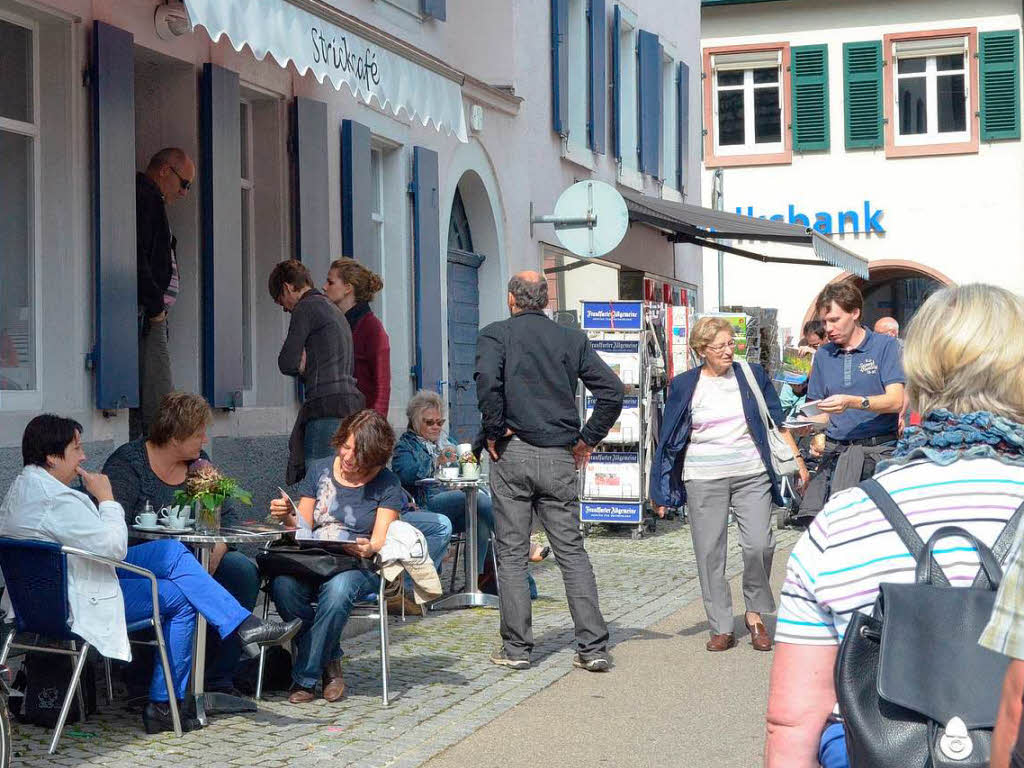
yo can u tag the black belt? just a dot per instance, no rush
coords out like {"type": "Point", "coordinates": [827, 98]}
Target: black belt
{"type": "Point", "coordinates": [869, 441]}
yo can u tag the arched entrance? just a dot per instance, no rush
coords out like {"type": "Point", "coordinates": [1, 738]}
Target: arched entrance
{"type": "Point", "coordinates": [894, 288]}
{"type": "Point", "coordinates": [471, 233]}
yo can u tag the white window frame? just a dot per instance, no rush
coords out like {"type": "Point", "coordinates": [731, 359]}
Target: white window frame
{"type": "Point", "coordinates": [249, 259]}
{"type": "Point", "coordinates": [377, 216]}
{"type": "Point", "coordinates": [30, 399]}
{"type": "Point", "coordinates": [669, 117]}
{"type": "Point", "coordinates": [931, 76]}
{"type": "Point", "coordinates": [727, 63]}
{"type": "Point", "coordinates": [412, 7]}
{"type": "Point", "coordinates": [629, 101]}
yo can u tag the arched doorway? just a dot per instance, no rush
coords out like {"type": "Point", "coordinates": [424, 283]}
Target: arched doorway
{"type": "Point", "coordinates": [894, 288]}
{"type": "Point", "coordinates": [463, 324]}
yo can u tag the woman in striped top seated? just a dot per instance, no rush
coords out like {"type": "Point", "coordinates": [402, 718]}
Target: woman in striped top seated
{"type": "Point", "coordinates": [713, 454]}
{"type": "Point", "coordinates": [964, 466]}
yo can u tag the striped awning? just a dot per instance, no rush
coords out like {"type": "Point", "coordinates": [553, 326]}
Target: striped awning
{"type": "Point", "coordinates": [707, 227]}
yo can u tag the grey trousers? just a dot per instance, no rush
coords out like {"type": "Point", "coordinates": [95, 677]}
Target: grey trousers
{"type": "Point", "coordinates": [528, 479]}
{"type": "Point", "coordinates": [154, 377]}
{"type": "Point", "coordinates": [707, 503]}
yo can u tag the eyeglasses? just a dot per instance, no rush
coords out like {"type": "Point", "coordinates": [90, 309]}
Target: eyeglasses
{"type": "Point", "coordinates": [434, 422]}
{"type": "Point", "coordinates": [722, 347]}
{"type": "Point", "coordinates": [185, 183]}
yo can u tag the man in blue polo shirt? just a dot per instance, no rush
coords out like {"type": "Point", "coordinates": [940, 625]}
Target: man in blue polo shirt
{"type": "Point", "coordinates": [857, 379]}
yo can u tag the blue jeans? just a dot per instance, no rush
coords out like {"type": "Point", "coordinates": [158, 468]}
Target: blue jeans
{"type": "Point", "coordinates": [183, 589]}
{"type": "Point", "coordinates": [241, 578]}
{"type": "Point", "coordinates": [318, 642]}
{"type": "Point", "coordinates": [316, 444]}
{"type": "Point", "coordinates": [452, 504]}
{"type": "Point", "coordinates": [436, 529]}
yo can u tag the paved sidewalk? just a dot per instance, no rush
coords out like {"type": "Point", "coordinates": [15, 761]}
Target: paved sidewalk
{"type": "Point", "coordinates": [445, 688]}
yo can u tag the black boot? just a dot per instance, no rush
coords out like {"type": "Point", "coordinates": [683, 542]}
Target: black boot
{"type": "Point", "coordinates": [156, 718]}
{"type": "Point", "coordinates": [254, 633]}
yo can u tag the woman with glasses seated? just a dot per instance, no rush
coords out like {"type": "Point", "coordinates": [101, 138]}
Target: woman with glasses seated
{"type": "Point", "coordinates": [42, 505]}
{"type": "Point", "coordinates": [350, 495]}
{"type": "Point", "coordinates": [416, 458]}
{"type": "Point", "coordinates": [713, 454]}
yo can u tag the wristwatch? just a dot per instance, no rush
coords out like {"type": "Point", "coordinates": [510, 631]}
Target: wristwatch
{"type": "Point", "coordinates": [865, 403]}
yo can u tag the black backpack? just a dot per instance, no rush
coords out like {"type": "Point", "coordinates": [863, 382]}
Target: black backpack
{"type": "Point", "coordinates": [44, 678]}
{"type": "Point", "coordinates": [914, 687]}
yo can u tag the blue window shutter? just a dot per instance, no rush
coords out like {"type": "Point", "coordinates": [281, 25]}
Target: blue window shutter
{"type": "Point", "coordinates": [616, 84]}
{"type": "Point", "coordinates": [221, 168]}
{"type": "Point", "coordinates": [357, 192]}
{"type": "Point", "coordinates": [560, 66]}
{"type": "Point", "coordinates": [116, 354]}
{"type": "Point", "coordinates": [597, 32]}
{"type": "Point", "coordinates": [312, 221]}
{"type": "Point", "coordinates": [427, 265]}
{"type": "Point", "coordinates": [649, 60]}
{"type": "Point", "coordinates": [682, 124]}
{"type": "Point", "coordinates": [434, 8]}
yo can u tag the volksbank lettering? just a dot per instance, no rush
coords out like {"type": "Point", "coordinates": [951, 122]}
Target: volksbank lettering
{"type": "Point", "coordinates": [848, 221]}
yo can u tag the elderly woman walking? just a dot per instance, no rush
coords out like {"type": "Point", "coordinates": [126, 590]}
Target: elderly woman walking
{"type": "Point", "coordinates": [713, 454]}
{"type": "Point", "coordinates": [963, 467]}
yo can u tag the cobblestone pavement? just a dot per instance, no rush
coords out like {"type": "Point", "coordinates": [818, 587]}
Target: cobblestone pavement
{"type": "Point", "coordinates": [444, 688]}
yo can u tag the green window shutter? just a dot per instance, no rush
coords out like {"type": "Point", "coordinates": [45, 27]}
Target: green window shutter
{"type": "Point", "coordinates": [862, 92]}
{"type": "Point", "coordinates": [809, 73]}
{"type": "Point", "coordinates": [1000, 85]}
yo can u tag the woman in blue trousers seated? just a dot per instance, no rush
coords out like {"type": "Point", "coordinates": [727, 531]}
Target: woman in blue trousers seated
{"type": "Point", "coordinates": [350, 497]}
{"type": "Point", "coordinates": [416, 458]}
{"type": "Point", "coordinates": [41, 505]}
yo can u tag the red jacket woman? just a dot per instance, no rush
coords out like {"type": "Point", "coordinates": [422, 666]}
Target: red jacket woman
{"type": "Point", "coordinates": [351, 287]}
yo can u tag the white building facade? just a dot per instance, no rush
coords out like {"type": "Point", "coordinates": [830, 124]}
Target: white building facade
{"type": "Point", "coordinates": [425, 170]}
{"type": "Point", "coordinates": [892, 126]}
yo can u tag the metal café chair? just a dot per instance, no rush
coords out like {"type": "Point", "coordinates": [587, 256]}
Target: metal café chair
{"type": "Point", "coordinates": [36, 575]}
{"type": "Point", "coordinates": [365, 609]}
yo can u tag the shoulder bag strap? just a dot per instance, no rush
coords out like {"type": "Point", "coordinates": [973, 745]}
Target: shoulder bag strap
{"type": "Point", "coordinates": [910, 537]}
{"type": "Point", "coordinates": [1002, 545]}
{"type": "Point", "coordinates": [762, 407]}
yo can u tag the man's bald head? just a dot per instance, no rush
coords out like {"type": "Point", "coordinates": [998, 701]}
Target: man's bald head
{"type": "Point", "coordinates": [173, 171]}
{"type": "Point", "coordinates": [527, 291]}
{"type": "Point", "coordinates": [888, 326]}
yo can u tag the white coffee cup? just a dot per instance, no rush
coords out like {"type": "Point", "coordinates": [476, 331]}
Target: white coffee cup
{"type": "Point", "coordinates": [146, 519]}
{"type": "Point", "coordinates": [167, 513]}
{"type": "Point", "coordinates": [177, 522]}
{"type": "Point", "coordinates": [448, 473]}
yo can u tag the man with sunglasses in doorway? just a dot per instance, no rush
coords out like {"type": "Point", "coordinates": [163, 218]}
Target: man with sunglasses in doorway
{"type": "Point", "coordinates": [167, 179]}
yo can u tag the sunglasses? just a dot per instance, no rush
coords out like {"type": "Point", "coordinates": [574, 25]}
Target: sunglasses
{"type": "Point", "coordinates": [433, 422]}
{"type": "Point", "coordinates": [185, 183]}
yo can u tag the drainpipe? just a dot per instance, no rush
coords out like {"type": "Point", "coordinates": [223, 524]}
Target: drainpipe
{"type": "Point", "coordinates": [717, 202]}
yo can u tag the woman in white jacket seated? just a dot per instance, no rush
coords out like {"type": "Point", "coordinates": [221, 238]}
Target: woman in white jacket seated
{"type": "Point", "coordinates": [41, 505]}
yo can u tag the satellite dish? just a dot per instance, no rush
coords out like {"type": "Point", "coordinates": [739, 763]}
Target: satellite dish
{"type": "Point", "coordinates": [590, 218]}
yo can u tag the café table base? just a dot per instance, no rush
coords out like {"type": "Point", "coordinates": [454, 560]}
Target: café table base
{"type": "Point", "coordinates": [465, 600]}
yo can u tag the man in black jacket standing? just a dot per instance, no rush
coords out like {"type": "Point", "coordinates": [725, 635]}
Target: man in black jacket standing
{"type": "Point", "coordinates": [167, 179]}
{"type": "Point", "coordinates": [527, 369]}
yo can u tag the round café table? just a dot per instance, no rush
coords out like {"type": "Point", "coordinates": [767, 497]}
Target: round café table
{"type": "Point", "coordinates": [203, 543]}
{"type": "Point", "coordinates": [471, 596]}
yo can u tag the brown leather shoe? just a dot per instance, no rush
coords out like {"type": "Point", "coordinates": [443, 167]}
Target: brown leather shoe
{"type": "Point", "coordinates": [411, 607]}
{"type": "Point", "coordinates": [300, 695]}
{"type": "Point", "coordinates": [759, 637]}
{"type": "Point", "coordinates": [721, 642]}
{"type": "Point", "coordinates": [334, 683]}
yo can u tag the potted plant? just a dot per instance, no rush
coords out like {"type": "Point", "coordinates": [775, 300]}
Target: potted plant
{"type": "Point", "coordinates": [470, 466]}
{"type": "Point", "coordinates": [206, 490]}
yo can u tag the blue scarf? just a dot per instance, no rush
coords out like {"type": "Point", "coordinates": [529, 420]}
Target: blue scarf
{"type": "Point", "coordinates": [944, 437]}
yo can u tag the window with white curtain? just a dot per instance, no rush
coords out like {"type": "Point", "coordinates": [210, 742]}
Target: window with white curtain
{"type": "Point", "coordinates": [931, 91]}
{"type": "Point", "coordinates": [19, 202]}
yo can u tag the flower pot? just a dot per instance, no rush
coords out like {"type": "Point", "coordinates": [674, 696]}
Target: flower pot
{"type": "Point", "coordinates": [207, 520]}
{"type": "Point", "coordinates": [471, 471]}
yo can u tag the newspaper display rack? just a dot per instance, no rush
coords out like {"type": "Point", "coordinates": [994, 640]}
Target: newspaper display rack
{"type": "Point", "coordinates": [614, 484]}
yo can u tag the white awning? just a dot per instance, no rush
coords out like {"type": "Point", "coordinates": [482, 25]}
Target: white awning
{"type": "Point", "coordinates": [372, 73]}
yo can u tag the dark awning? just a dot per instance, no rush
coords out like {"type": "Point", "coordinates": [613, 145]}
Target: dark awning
{"type": "Point", "coordinates": [703, 226]}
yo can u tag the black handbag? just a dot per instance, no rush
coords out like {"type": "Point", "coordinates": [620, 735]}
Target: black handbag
{"type": "Point", "coordinates": [913, 685]}
{"type": "Point", "coordinates": [315, 561]}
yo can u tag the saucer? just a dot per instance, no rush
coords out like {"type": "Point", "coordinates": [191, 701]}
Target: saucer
{"type": "Point", "coordinates": [150, 528]}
